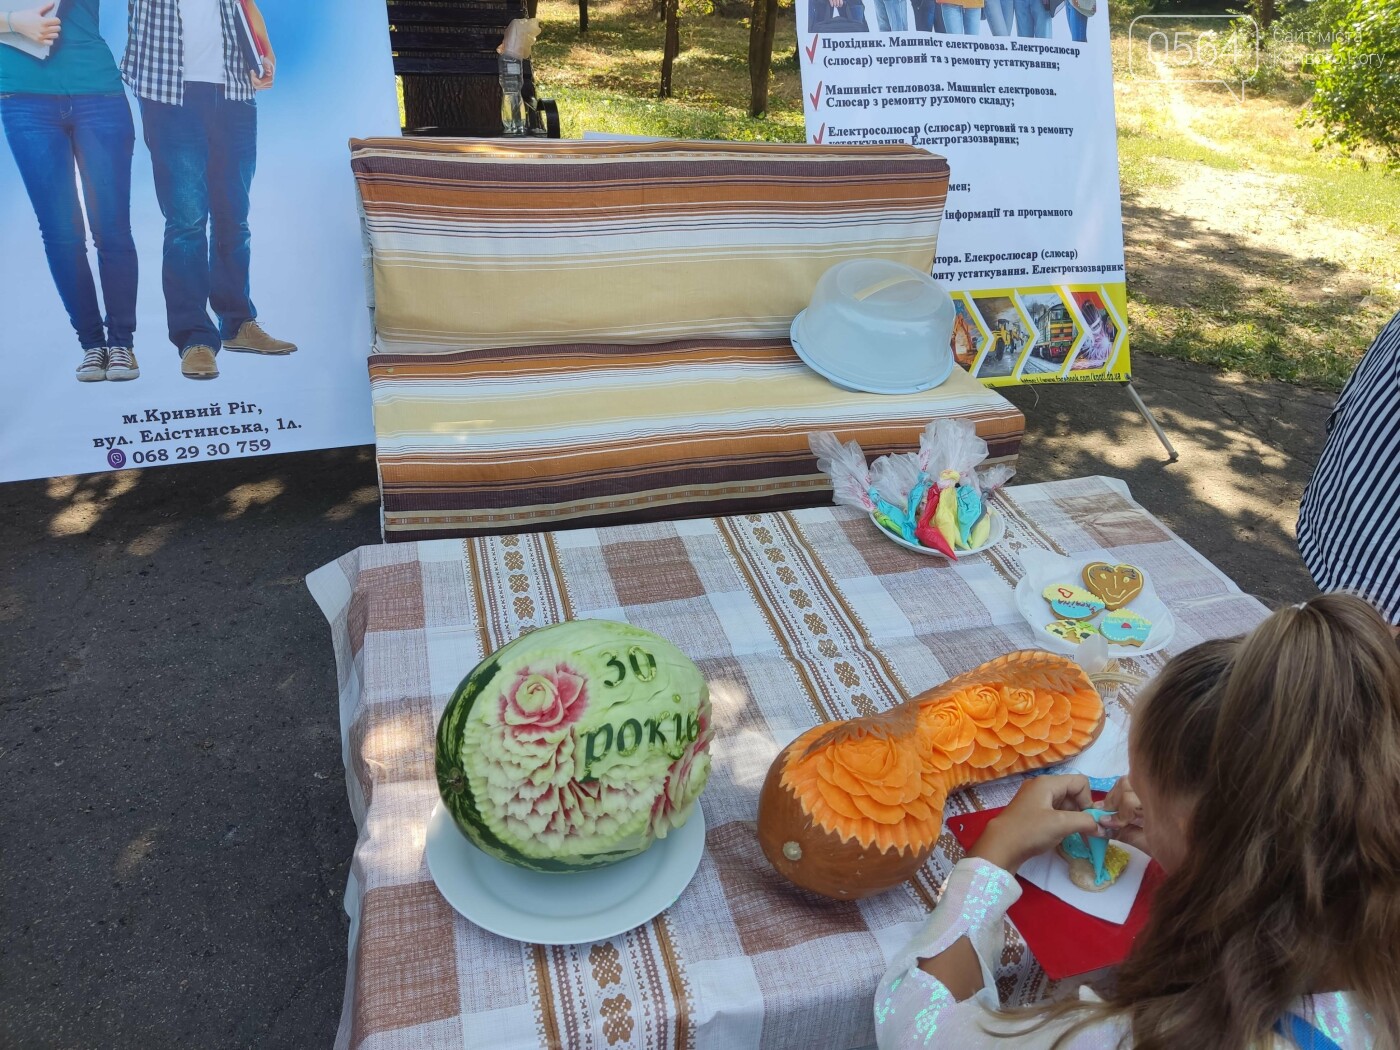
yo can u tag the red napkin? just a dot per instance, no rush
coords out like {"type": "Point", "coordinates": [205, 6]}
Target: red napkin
{"type": "Point", "coordinates": [1064, 940]}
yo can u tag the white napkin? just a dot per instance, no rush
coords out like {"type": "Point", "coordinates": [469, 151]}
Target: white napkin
{"type": "Point", "coordinates": [1050, 872]}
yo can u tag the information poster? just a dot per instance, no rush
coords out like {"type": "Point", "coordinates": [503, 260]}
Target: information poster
{"type": "Point", "coordinates": [1018, 95]}
{"type": "Point", "coordinates": [167, 221]}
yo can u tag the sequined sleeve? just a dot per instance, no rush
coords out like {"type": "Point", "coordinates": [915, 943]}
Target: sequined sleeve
{"type": "Point", "coordinates": [913, 1009]}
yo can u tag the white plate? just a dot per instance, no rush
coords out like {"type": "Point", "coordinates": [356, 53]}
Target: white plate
{"type": "Point", "coordinates": [998, 530]}
{"type": "Point", "coordinates": [575, 908]}
{"type": "Point", "coordinates": [1043, 569]}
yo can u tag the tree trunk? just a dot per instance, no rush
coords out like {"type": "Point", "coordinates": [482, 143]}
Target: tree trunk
{"type": "Point", "coordinates": [673, 45]}
{"type": "Point", "coordinates": [582, 16]}
{"type": "Point", "coordinates": [761, 25]}
{"type": "Point", "coordinates": [658, 9]}
{"type": "Point", "coordinates": [1265, 11]}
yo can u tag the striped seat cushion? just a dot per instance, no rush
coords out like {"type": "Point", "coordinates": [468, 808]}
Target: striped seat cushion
{"type": "Point", "coordinates": [485, 244]}
{"type": "Point", "coordinates": [550, 437]}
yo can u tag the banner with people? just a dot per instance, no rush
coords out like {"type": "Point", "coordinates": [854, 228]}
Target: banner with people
{"type": "Point", "coordinates": [1018, 95]}
{"type": "Point", "coordinates": [182, 272]}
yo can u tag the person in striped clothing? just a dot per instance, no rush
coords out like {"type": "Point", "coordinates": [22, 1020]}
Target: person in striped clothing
{"type": "Point", "coordinates": [1349, 519]}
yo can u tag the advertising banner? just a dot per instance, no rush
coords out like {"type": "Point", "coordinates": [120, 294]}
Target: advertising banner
{"type": "Point", "coordinates": [181, 267]}
{"type": "Point", "coordinates": [1018, 95]}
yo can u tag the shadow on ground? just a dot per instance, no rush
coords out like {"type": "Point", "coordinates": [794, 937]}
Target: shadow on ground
{"type": "Point", "coordinates": [1247, 449]}
{"type": "Point", "coordinates": [177, 834]}
{"type": "Point", "coordinates": [1216, 295]}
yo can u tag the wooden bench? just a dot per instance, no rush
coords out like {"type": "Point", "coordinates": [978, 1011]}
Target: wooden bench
{"type": "Point", "coordinates": [445, 56]}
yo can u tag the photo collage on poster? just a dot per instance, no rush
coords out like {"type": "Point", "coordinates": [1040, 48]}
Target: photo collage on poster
{"type": "Point", "coordinates": [1052, 334]}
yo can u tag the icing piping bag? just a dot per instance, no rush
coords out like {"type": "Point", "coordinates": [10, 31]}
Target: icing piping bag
{"type": "Point", "coordinates": [1098, 847]}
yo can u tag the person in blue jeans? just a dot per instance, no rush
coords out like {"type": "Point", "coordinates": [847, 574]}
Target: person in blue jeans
{"type": "Point", "coordinates": [892, 16]}
{"type": "Point", "coordinates": [1032, 19]}
{"type": "Point", "coordinates": [961, 18]}
{"type": "Point", "coordinates": [1001, 17]}
{"type": "Point", "coordinates": [1078, 13]}
{"type": "Point", "coordinates": [196, 92]}
{"type": "Point", "coordinates": [67, 113]}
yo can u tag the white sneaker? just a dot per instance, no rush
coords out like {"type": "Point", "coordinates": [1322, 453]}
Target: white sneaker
{"type": "Point", "coordinates": [94, 366]}
{"type": "Point", "coordinates": [121, 363]}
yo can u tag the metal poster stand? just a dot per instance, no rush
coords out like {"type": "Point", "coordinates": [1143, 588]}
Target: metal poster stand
{"type": "Point", "coordinates": [1172, 456]}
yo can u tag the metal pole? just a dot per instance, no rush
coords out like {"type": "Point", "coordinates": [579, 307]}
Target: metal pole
{"type": "Point", "coordinates": [1152, 422]}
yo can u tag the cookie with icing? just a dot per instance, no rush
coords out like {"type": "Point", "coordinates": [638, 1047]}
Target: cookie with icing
{"type": "Point", "coordinates": [1117, 585]}
{"type": "Point", "coordinates": [1069, 602]}
{"type": "Point", "coordinates": [1074, 631]}
{"type": "Point", "coordinates": [1081, 864]}
{"type": "Point", "coordinates": [1125, 627]}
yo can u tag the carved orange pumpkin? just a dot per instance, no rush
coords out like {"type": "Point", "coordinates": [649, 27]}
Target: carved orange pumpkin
{"type": "Point", "coordinates": [852, 808]}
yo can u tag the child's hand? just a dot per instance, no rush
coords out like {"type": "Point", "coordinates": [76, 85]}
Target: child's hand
{"type": "Point", "coordinates": [1044, 811]}
{"type": "Point", "coordinates": [1126, 822]}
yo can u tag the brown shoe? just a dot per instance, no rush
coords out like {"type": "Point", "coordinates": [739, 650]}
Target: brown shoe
{"type": "Point", "coordinates": [197, 362]}
{"type": "Point", "coordinates": [251, 339]}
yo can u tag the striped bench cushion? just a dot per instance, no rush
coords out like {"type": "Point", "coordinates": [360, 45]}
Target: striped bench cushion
{"type": "Point", "coordinates": [548, 437]}
{"type": "Point", "coordinates": [485, 244]}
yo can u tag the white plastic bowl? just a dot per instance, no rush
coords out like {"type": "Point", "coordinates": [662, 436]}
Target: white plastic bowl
{"type": "Point", "coordinates": [877, 326]}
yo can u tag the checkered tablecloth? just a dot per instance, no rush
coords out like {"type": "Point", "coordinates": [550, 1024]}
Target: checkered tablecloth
{"type": "Point", "coordinates": [794, 618]}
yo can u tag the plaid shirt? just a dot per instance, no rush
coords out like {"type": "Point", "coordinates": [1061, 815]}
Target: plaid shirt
{"type": "Point", "coordinates": [154, 62]}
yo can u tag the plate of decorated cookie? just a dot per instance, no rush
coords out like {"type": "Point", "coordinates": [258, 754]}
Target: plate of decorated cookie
{"type": "Point", "coordinates": [1069, 600]}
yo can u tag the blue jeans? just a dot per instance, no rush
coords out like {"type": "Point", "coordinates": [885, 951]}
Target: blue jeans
{"type": "Point", "coordinates": [1032, 20]}
{"type": "Point", "coordinates": [892, 16]}
{"type": "Point", "coordinates": [1001, 17]}
{"type": "Point", "coordinates": [963, 20]}
{"type": "Point", "coordinates": [203, 155]}
{"type": "Point", "coordinates": [49, 135]}
{"type": "Point", "coordinates": [1078, 24]}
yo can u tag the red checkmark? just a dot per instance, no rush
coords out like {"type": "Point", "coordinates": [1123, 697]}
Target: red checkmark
{"type": "Point", "coordinates": [817, 138]}
{"type": "Point", "coordinates": [812, 51]}
{"type": "Point", "coordinates": [816, 97]}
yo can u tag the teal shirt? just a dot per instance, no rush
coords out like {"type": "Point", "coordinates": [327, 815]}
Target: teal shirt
{"type": "Point", "coordinates": [80, 63]}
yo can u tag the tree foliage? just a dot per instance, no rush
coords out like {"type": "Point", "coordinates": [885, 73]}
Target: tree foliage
{"type": "Point", "coordinates": [1356, 101]}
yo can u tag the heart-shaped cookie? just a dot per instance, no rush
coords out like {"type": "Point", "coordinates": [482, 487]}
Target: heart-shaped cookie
{"type": "Point", "coordinates": [1117, 585]}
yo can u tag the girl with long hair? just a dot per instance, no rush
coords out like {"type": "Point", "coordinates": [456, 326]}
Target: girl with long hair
{"type": "Point", "coordinates": [1265, 773]}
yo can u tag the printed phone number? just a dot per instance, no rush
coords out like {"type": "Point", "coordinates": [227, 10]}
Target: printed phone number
{"type": "Point", "coordinates": [143, 457]}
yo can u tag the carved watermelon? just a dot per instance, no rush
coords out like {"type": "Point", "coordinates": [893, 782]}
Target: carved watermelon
{"type": "Point", "coordinates": [575, 746]}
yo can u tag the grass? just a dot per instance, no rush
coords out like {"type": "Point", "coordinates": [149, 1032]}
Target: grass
{"type": "Point", "coordinates": [1292, 262]}
{"type": "Point", "coordinates": [1286, 276]}
{"type": "Point", "coordinates": [607, 80]}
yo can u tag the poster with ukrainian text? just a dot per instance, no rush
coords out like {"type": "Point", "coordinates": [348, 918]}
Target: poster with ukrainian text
{"type": "Point", "coordinates": [182, 274]}
{"type": "Point", "coordinates": [1018, 95]}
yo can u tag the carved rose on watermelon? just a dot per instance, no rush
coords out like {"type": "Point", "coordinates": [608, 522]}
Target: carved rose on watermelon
{"type": "Point", "coordinates": [542, 700]}
{"type": "Point", "coordinates": [684, 781]}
